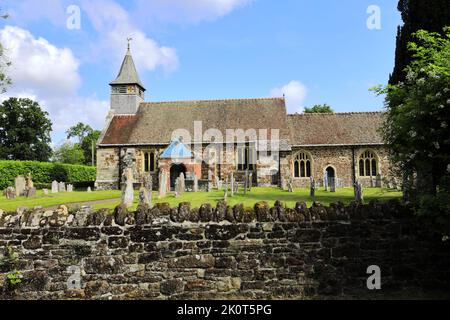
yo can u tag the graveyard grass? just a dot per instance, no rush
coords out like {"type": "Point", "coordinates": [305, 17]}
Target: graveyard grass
{"type": "Point", "coordinates": [110, 199]}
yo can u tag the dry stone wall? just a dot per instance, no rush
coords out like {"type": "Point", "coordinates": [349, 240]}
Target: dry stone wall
{"type": "Point", "coordinates": [221, 252]}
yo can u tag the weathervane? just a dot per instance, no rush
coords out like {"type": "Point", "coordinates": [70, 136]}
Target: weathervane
{"type": "Point", "coordinates": [129, 39]}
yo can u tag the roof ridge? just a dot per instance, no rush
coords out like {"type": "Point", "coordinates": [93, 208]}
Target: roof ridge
{"type": "Point", "coordinates": [335, 113]}
{"type": "Point", "coordinates": [213, 100]}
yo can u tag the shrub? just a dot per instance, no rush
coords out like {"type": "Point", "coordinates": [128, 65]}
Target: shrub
{"type": "Point", "coordinates": [44, 173]}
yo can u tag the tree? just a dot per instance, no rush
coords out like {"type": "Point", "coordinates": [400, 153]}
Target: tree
{"type": "Point", "coordinates": [319, 108]}
{"type": "Point", "coordinates": [24, 131]}
{"type": "Point", "coordinates": [417, 125]}
{"type": "Point", "coordinates": [69, 153]}
{"type": "Point", "coordinates": [79, 131]}
{"type": "Point", "coordinates": [430, 15]}
{"type": "Point", "coordinates": [5, 81]}
{"type": "Point", "coordinates": [89, 145]}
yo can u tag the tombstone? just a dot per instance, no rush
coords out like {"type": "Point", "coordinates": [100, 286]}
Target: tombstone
{"type": "Point", "coordinates": [29, 183]}
{"type": "Point", "coordinates": [127, 188]}
{"type": "Point", "coordinates": [147, 184]}
{"type": "Point", "coordinates": [177, 188]}
{"type": "Point", "coordinates": [69, 188]}
{"type": "Point", "coordinates": [225, 196]}
{"type": "Point", "coordinates": [21, 185]}
{"type": "Point", "coordinates": [290, 185]}
{"type": "Point", "coordinates": [325, 181]}
{"type": "Point", "coordinates": [379, 181]}
{"type": "Point", "coordinates": [10, 193]}
{"type": "Point", "coordinates": [144, 197]}
{"type": "Point", "coordinates": [195, 183]}
{"type": "Point", "coordinates": [359, 196]}
{"type": "Point", "coordinates": [312, 189]}
{"type": "Point", "coordinates": [284, 185]}
{"type": "Point", "coordinates": [45, 191]}
{"type": "Point", "coordinates": [332, 184]}
{"type": "Point", "coordinates": [31, 192]}
{"type": "Point", "coordinates": [55, 188]}
{"type": "Point", "coordinates": [61, 187]}
{"type": "Point", "coordinates": [162, 184]}
{"type": "Point", "coordinates": [89, 190]}
{"type": "Point", "coordinates": [246, 182]}
{"type": "Point", "coordinates": [236, 187]}
{"type": "Point", "coordinates": [232, 184]}
{"type": "Point", "coordinates": [210, 179]}
{"type": "Point", "coordinates": [219, 184]}
{"type": "Point", "coordinates": [182, 183]}
{"type": "Point", "coordinates": [250, 182]}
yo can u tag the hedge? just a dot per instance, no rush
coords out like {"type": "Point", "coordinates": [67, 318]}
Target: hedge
{"type": "Point", "coordinates": [44, 172]}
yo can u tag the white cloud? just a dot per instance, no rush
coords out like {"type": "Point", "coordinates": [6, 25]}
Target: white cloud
{"type": "Point", "coordinates": [114, 26]}
{"type": "Point", "coordinates": [295, 93]}
{"type": "Point", "coordinates": [188, 11]}
{"type": "Point", "coordinates": [38, 64]}
{"type": "Point", "coordinates": [50, 75]}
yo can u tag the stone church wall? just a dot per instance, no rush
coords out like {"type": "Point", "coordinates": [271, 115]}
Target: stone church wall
{"type": "Point", "coordinates": [223, 252]}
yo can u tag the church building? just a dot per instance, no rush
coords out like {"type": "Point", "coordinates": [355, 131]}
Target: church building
{"type": "Point", "coordinates": [212, 139]}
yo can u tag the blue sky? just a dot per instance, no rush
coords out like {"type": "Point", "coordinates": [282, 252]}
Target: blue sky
{"type": "Point", "coordinates": [315, 52]}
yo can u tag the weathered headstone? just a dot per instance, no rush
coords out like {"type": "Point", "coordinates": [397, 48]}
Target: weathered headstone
{"type": "Point", "coordinates": [127, 188]}
{"type": "Point", "coordinates": [232, 184]}
{"type": "Point", "coordinates": [325, 181]}
{"type": "Point", "coordinates": [31, 192]}
{"type": "Point", "coordinates": [182, 183]}
{"type": "Point", "coordinates": [210, 181]}
{"type": "Point", "coordinates": [312, 188]}
{"type": "Point", "coordinates": [10, 193]}
{"type": "Point", "coordinates": [332, 185]}
{"type": "Point", "coordinates": [21, 185]}
{"type": "Point", "coordinates": [195, 183]}
{"type": "Point", "coordinates": [284, 184]}
{"type": "Point", "coordinates": [236, 187]}
{"type": "Point", "coordinates": [250, 181]}
{"type": "Point", "coordinates": [219, 184]}
{"type": "Point", "coordinates": [45, 191]}
{"type": "Point", "coordinates": [148, 186]}
{"type": "Point", "coordinates": [69, 188]}
{"type": "Point", "coordinates": [55, 186]}
{"type": "Point", "coordinates": [290, 185]}
{"type": "Point", "coordinates": [144, 197]}
{"type": "Point", "coordinates": [162, 184]}
{"type": "Point", "coordinates": [29, 183]}
{"type": "Point", "coordinates": [359, 196]}
{"type": "Point", "coordinates": [177, 188]}
{"type": "Point", "coordinates": [61, 187]}
{"type": "Point", "coordinates": [89, 189]}
{"type": "Point", "coordinates": [225, 196]}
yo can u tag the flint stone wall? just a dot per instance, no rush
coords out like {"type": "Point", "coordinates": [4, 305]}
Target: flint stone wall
{"type": "Point", "coordinates": [222, 252]}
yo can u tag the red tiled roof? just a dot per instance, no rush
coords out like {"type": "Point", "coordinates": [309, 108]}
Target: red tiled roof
{"type": "Point", "coordinates": [119, 130]}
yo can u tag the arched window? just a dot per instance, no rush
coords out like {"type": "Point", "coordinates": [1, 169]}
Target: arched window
{"type": "Point", "coordinates": [368, 164]}
{"type": "Point", "coordinates": [150, 161]}
{"type": "Point", "coordinates": [302, 165]}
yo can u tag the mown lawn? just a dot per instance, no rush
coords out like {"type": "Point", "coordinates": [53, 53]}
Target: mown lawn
{"type": "Point", "coordinates": [51, 200]}
{"type": "Point", "coordinates": [267, 194]}
{"type": "Point", "coordinates": [197, 199]}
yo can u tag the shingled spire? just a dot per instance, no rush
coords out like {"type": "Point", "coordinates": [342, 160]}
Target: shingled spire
{"type": "Point", "coordinates": [128, 73]}
{"type": "Point", "coordinates": [127, 91]}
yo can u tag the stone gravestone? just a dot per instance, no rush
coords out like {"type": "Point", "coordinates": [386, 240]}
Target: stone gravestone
{"type": "Point", "coordinates": [127, 187]}
{"type": "Point", "coordinates": [359, 196]}
{"type": "Point", "coordinates": [325, 181]}
{"type": "Point", "coordinates": [45, 191]}
{"type": "Point", "coordinates": [236, 187]}
{"type": "Point", "coordinates": [144, 197]}
{"type": "Point", "coordinates": [147, 185]}
{"type": "Point", "coordinates": [210, 181]}
{"type": "Point", "coordinates": [69, 188]}
{"type": "Point", "coordinates": [250, 182]}
{"type": "Point", "coordinates": [219, 184]}
{"type": "Point", "coordinates": [21, 185]}
{"type": "Point", "coordinates": [10, 193]}
{"type": "Point", "coordinates": [379, 181]}
{"type": "Point", "coordinates": [55, 188]}
{"type": "Point", "coordinates": [162, 184]}
{"type": "Point", "coordinates": [195, 183]}
{"type": "Point", "coordinates": [332, 185]}
{"type": "Point", "coordinates": [283, 183]}
{"type": "Point", "coordinates": [30, 183]}
{"type": "Point", "coordinates": [246, 182]}
{"type": "Point", "coordinates": [225, 196]}
{"type": "Point", "coordinates": [31, 192]}
{"type": "Point", "coordinates": [290, 185]}
{"type": "Point", "coordinates": [182, 183]}
{"type": "Point", "coordinates": [312, 189]}
{"type": "Point", "coordinates": [177, 188]}
{"type": "Point", "coordinates": [232, 184]}
{"type": "Point", "coordinates": [89, 190]}
{"type": "Point", "coordinates": [61, 187]}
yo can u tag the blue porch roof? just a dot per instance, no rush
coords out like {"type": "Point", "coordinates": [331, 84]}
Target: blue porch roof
{"type": "Point", "coordinates": [177, 150]}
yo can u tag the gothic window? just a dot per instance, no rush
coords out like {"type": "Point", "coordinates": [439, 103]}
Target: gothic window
{"type": "Point", "coordinates": [368, 164]}
{"type": "Point", "coordinates": [302, 165]}
{"type": "Point", "coordinates": [150, 161]}
{"type": "Point", "coordinates": [246, 157]}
